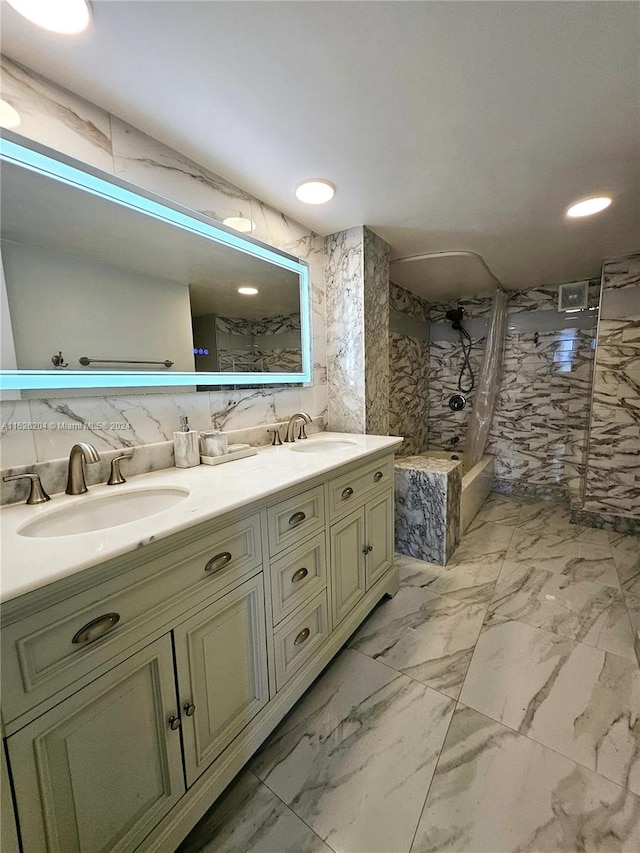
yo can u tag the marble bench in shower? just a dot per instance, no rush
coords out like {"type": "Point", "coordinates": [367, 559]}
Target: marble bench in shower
{"type": "Point", "coordinates": [427, 507]}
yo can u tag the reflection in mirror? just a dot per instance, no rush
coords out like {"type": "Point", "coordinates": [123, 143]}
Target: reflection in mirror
{"type": "Point", "coordinates": [116, 288]}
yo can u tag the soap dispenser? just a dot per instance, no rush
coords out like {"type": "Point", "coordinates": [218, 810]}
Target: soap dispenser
{"type": "Point", "coordinates": [185, 445]}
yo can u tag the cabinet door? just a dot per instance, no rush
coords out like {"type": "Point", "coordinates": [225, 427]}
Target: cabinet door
{"type": "Point", "coordinates": [222, 673]}
{"type": "Point", "coordinates": [347, 564]}
{"type": "Point", "coordinates": [98, 771]}
{"type": "Point", "coordinates": [379, 532]}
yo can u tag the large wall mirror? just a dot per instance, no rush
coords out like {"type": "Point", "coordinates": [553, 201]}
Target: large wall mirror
{"type": "Point", "coordinates": [105, 285]}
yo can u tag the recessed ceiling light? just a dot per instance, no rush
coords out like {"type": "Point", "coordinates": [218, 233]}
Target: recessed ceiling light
{"type": "Point", "coordinates": [588, 206]}
{"type": "Point", "coordinates": [248, 291]}
{"type": "Point", "coordinates": [315, 191]}
{"type": "Point", "coordinates": [9, 117]}
{"type": "Point", "coordinates": [240, 223]}
{"type": "Point", "coordinates": [60, 16]}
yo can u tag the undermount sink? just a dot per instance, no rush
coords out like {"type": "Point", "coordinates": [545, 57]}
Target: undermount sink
{"type": "Point", "coordinates": [323, 445]}
{"type": "Point", "coordinates": [104, 511]}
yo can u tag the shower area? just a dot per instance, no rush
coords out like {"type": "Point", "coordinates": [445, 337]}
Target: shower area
{"type": "Point", "coordinates": [445, 362]}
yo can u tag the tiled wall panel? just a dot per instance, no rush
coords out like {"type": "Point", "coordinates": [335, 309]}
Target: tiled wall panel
{"type": "Point", "coordinates": [613, 473]}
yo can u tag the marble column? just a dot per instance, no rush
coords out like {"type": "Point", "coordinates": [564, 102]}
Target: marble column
{"type": "Point", "coordinates": [357, 306]}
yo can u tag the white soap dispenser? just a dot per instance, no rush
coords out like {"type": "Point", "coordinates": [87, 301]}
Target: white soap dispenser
{"type": "Point", "coordinates": [185, 446]}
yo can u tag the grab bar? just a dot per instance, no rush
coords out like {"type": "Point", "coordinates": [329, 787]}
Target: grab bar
{"type": "Point", "coordinates": [85, 360]}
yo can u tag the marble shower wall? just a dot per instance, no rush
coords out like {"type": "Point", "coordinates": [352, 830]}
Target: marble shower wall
{"type": "Point", "coordinates": [539, 429]}
{"type": "Point", "coordinates": [63, 121]}
{"type": "Point", "coordinates": [357, 317]}
{"type": "Point", "coordinates": [612, 486]}
{"type": "Point", "coordinates": [409, 369]}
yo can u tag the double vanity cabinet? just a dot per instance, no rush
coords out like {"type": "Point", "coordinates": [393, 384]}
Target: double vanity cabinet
{"type": "Point", "coordinates": [136, 686]}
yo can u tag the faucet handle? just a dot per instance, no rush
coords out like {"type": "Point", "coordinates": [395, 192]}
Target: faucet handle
{"type": "Point", "coordinates": [276, 441]}
{"type": "Point", "coordinates": [116, 478]}
{"type": "Point", "coordinates": [302, 432]}
{"type": "Point", "coordinates": [37, 494]}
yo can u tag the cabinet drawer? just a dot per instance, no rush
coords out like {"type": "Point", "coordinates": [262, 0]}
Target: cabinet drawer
{"type": "Point", "coordinates": [349, 490]}
{"type": "Point", "coordinates": [293, 520]}
{"type": "Point", "coordinates": [299, 637]}
{"type": "Point", "coordinates": [47, 652]}
{"type": "Point", "coordinates": [298, 576]}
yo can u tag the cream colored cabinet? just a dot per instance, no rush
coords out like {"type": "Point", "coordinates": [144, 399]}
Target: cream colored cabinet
{"type": "Point", "coordinates": [98, 771]}
{"type": "Point", "coordinates": [348, 581]}
{"type": "Point", "coordinates": [135, 692]}
{"type": "Point", "coordinates": [221, 663]}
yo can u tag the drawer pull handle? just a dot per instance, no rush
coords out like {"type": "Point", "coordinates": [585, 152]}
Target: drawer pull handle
{"type": "Point", "coordinates": [189, 709]}
{"type": "Point", "coordinates": [296, 519]}
{"type": "Point", "coordinates": [378, 476]}
{"type": "Point", "coordinates": [174, 723]}
{"type": "Point", "coordinates": [97, 628]}
{"type": "Point", "coordinates": [299, 575]}
{"type": "Point", "coordinates": [218, 562]}
{"type": "Point", "coordinates": [302, 636]}
{"type": "Point", "coordinates": [346, 493]}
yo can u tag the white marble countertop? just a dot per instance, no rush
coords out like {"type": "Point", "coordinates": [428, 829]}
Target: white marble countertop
{"type": "Point", "coordinates": [30, 562]}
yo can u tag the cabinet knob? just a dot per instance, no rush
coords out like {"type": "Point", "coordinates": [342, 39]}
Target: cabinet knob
{"type": "Point", "coordinates": [218, 562]}
{"type": "Point", "coordinates": [97, 628]}
{"type": "Point", "coordinates": [296, 518]}
{"type": "Point", "coordinates": [174, 723]}
{"type": "Point", "coordinates": [299, 575]}
{"type": "Point", "coordinates": [367, 549]}
{"type": "Point", "coordinates": [302, 636]}
{"type": "Point", "coordinates": [189, 709]}
{"type": "Point", "coordinates": [346, 493]}
{"type": "Point", "coordinates": [378, 476]}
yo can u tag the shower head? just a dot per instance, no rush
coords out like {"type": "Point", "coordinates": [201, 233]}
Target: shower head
{"type": "Point", "coordinates": [454, 315]}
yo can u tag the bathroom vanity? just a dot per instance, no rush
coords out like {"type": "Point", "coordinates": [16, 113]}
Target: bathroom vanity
{"type": "Point", "coordinates": [144, 663]}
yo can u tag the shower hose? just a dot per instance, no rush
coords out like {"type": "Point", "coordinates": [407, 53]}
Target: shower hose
{"type": "Point", "coordinates": [465, 343]}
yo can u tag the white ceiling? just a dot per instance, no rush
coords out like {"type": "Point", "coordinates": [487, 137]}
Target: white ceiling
{"type": "Point", "coordinates": [444, 125]}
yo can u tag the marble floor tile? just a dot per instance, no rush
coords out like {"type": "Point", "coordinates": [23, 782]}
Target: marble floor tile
{"type": "Point", "coordinates": [355, 757]}
{"type": "Point", "coordinates": [496, 791]}
{"type": "Point", "coordinates": [563, 553]}
{"type": "Point", "coordinates": [543, 516]}
{"type": "Point", "coordinates": [633, 607]}
{"type": "Point", "coordinates": [428, 637]}
{"type": "Point", "coordinates": [582, 610]}
{"type": "Point", "coordinates": [500, 509]}
{"type": "Point", "coordinates": [249, 817]}
{"type": "Point", "coordinates": [472, 581]}
{"type": "Point", "coordinates": [488, 542]}
{"type": "Point", "coordinates": [626, 556]}
{"type": "Point", "coordinates": [578, 700]}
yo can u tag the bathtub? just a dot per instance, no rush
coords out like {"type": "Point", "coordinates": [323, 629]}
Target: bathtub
{"type": "Point", "coordinates": [476, 483]}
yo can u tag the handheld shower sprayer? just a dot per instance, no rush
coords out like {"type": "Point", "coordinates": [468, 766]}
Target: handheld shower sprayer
{"type": "Point", "coordinates": [455, 316]}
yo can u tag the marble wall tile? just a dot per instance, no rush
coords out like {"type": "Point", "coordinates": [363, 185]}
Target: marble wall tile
{"type": "Point", "coordinates": [403, 300]}
{"type": "Point", "coordinates": [151, 164]}
{"type": "Point", "coordinates": [344, 273]}
{"type": "Point", "coordinates": [409, 392]}
{"type": "Point", "coordinates": [427, 508]}
{"type": "Point", "coordinates": [409, 376]}
{"type": "Point", "coordinates": [496, 790]}
{"type": "Point", "coordinates": [539, 428]}
{"type": "Point", "coordinates": [612, 482]}
{"type": "Point", "coordinates": [17, 440]}
{"type": "Point", "coordinates": [376, 332]}
{"type": "Point", "coordinates": [56, 117]}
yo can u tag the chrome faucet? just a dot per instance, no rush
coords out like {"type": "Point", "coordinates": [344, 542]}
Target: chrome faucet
{"type": "Point", "coordinates": [76, 484]}
{"type": "Point", "coordinates": [291, 425]}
